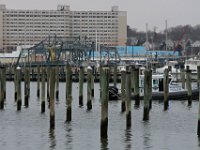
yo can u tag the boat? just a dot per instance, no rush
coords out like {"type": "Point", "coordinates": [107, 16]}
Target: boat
{"type": "Point", "coordinates": [192, 63]}
{"type": "Point", "coordinates": [174, 67]}
{"type": "Point", "coordinates": [176, 92]}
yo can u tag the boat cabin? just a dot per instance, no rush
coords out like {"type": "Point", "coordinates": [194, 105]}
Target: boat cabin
{"type": "Point", "coordinates": [157, 83]}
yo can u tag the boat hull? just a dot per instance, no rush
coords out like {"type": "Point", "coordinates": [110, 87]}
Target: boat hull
{"type": "Point", "coordinates": [178, 95]}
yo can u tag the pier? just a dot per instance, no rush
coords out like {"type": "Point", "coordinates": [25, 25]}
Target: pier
{"type": "Point", "coordinates": [56, 80]}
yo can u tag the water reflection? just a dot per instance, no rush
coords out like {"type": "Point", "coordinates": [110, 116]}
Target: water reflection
{"type": "Point", "coordinates": [128, 139]}
{"type": "Point", "coordinates": [104, 144]}
{"type": "Point", "coordinates": [146, 135]}
{"type": "Point", "coordinates": [69, 137]}
{"type": "Point", "coordinates": [198, 138]}
{"type": "Point", "coordinates": [52, 139]}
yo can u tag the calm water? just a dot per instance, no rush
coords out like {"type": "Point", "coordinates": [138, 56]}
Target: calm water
{"type": "Point", "coordinates": [28, 129]}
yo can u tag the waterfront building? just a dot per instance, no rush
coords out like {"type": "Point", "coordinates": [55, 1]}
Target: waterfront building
{"type": "Point", "coordinates": [28, 27]}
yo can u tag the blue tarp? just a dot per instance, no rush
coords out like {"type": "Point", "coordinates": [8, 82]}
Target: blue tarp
{"type": "Point", "coordinates": [136, 51]}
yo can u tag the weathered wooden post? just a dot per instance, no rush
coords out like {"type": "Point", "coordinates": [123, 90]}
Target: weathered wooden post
{"type": "Point", "coordinates": [115, 75]}
{"type": "Point", "coordinates": [26, 87]}
{"type": "Point", "coordinates": [48, 82]}
{"type": "Point", "coordinates": [81, 80]}
{"type": "Point", "coordinates": [198, 76]}
{"type": "Point", "coordinates": [182, 72]}
{"type": "Point", "coordinates": [166, 89]}
{"type": "Point", "coordinates": [1, 89]}
{"type": "Point", "coordinates": [18, 86]}
{"type": "Point", "coordinates": [33, 74]}
{"type": "Point", "coordinates": [43, 91]}
{"type": "Point", "coordinates": [10, 72]}
{"type": "Point", "coordinates": [128, 98]}
{"type": "Point", "coordinates": [15, 83]}
{"type": "Point", "coordinates": [176, 74]}
{"type": "Point", "coordinates": [188, 84]}
{"type": "Point", "coordinates": [57, 83]}
{"type": "Point", "coordinates": [100, 78]}
{"type": "Point", "coordinates": [123, 94]}
{"type": "Point", "coordinates": [89, 89]}
{"type": "Point", "coordinates": [150, 89]}
{"type": "Point", "coordinates": [104, 102]}
{"type": "Point", "coordinates": [69, 93]}
{"type": "Point", "coordinates": [92, 82]}
{"type": "Point", "coordinates": [135, 78]}
{"type": "Point", "coordinates": [147, 94]}
{"type": "Point", "coordinates": [132, 79]}
{"type": "Point", "coordinates": [52, 96]}
{"type": "Point", "coordinates": [4, 82]}
{"type": "Point", "coordinates": [198, 125]}
{"type": "Point", "coordinates": [29, 79]}
{"type": "Point", "coordinates": [169, 69]}
{"type": "Point", "coordinates": [38, 81]}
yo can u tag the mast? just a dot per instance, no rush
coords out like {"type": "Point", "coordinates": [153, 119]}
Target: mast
{"type": "Point", "coordinates": [166, 35]}
{"type": "Point", "coordinates": [147, 39]}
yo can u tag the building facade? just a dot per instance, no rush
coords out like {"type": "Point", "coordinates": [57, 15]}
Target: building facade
{"type": "Point", "coordinates": [28, 27]}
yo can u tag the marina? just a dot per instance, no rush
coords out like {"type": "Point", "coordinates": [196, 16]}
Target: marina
{"type": "Point", "coordinates": [86, 80]}
{"type": "Point", "coordinates": [29, 129]}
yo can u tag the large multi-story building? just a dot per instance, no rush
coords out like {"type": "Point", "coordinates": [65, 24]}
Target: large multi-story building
{"type": "Point", "coordinates": [28, 27]}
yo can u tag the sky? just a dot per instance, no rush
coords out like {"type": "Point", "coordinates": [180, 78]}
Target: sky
{"type": "Point", "coordinates": [139, 12]}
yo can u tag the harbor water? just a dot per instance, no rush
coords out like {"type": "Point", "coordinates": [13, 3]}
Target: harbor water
{"type": "Point", "coordinates": [28, 129]}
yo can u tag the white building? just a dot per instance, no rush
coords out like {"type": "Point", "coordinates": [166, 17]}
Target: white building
{"type": "Point", "coordinates": [28, 27]}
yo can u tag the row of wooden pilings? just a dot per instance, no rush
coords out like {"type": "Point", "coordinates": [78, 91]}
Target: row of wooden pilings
{"type": "Point", "coordinates": [48, 82]}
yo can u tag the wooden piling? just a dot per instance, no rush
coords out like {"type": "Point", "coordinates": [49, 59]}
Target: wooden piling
{"type": "Point", "coordinates": [52, 101]}
{"type": "Point", "coordinates": [92, 82]}
{"type": "Point", "coordinates": [104, 103]}
{"type": "Point", "coordinates": [132, 79]}
{"type": "Point", "coordinates": [26, 88]}
{"type": "Point", "coordinates": [198, 77]}
{"type": "Point", "coordinates": [135, 84]}
{"type": "Point", "coordinates": [81, 80]}
{"type": "Point", "coordinates": [188, 84]}
{"type": "Point", "coordinates": [100, 78]}
{"type": "Point", "coordinates": [198, 125]}
{"type": "Point", "coordinates": [43, 91]}
{"type": "Point", "coordinates": [69, 93]}
{"type": "Point", "coordinates": [176, 74]}
{"type": "Point", "coordinates": [123, 94]}
{"type": "Point", "coordinates": [115, 76]}
{"type": "Point", "coordinates": [32, 74]}
{"type": "Point", "coordinates": [89, 88]}
{"type": "Point", "coordinates": [48, 82]}
{"type": "Point", "coordinates": [147, 92]}
{"type": "Point", "coordinates": [182, 72]}
{"type": "Point", "coordinates": [166, 89]}
{"type": "Point", "coordinates": [128, 99]}
{"type": "Point", "coordinates": [18, 86]}
{"type": "Point", "coordinates": [38, 81]}
{"type": "Point", "coordinates": [29, 78]}
{"type": "Point", "coordinates": [15, 84]}
{"type": "Point", "coordinates": [4, 82]}
{"type": "Point", "coordinates": [150, 89]}
{"type": "Point", "coordinates": [57, 83]}
{"type": "Point", "coordinates": [1, 89]}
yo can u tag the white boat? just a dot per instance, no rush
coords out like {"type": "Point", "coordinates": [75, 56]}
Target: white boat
{"type": "Point", "coordinates": [176, 92]}
{"type": "Point", "coordinates": [192, 63]}
{"type": "Point", "coordinates": [157, 84]}
{"type": "Point", "coordinates": [173, 67]}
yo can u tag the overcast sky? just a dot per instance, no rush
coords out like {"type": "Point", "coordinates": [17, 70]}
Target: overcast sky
{"type": "Point", "coordinates": [139, 12]}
